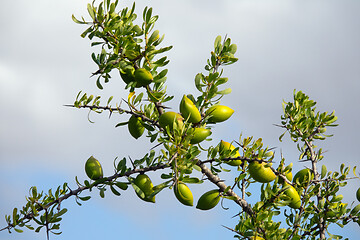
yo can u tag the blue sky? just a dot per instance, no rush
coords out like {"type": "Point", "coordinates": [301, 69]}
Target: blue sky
{"type": "Point", "coordinates": [282, 45]}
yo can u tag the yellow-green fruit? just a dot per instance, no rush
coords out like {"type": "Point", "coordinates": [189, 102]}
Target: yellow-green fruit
{"type": "Point", "coordinates": [199, 135]}
{"type": "Point", "coordinates": [135, 127]}
{"type": "Point", "coordinates": [146, 186]}
{"type": "Point", "coordinates": [358, 194]}
{"type": "Point", "coordinates": [303, 177]}
{"type": "Point", "coordinates": [169, 118]}
{"type": "Point", "coordinates": [224, 146]}
{"type": "Point", "coordinates": [256, 238]}
{"type": "Point", "coordinates": [208, 200]}
{"type": "Point", "coordinates": [294, 197]}
{"type": "Point", "coordinates": [183, 194]}
{"type": "Point", "coordinates": [260, 173]}
{"type": "Point", "coordinates": [142, 77]}
{"type": "Point", "coordinates": [189, 110]}
{"type": "Point", "coordinates": [93, 168]}
{"type": "Point", "coordinates": [219, 113]}
{"type": "Point", "coordinates": [127, 74]}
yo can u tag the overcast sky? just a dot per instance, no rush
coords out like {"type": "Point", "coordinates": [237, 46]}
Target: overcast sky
{"type": "Point", "coordinates": [282, 45]}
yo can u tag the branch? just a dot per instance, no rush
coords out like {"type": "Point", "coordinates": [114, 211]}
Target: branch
{"type": "Point", "coordinates": [77, 191]}
{"type": "Point", "coordinates": [222, 186]}
{"type": "Point", "coordinates": [117, 109]}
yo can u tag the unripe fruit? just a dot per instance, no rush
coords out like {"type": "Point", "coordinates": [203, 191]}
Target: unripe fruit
{"type": "Point", "coordinates": [199, 135]}
{"type": "Point", "coordinates": [261, 173]}
{"type": "Point", "coordinates": [294, 196]}
{"type": "Point", "coordinates": [303, 177]}
{"type": "Point", "coordinates": [224, 146]}
{"type": "Point", "coordinates": [135, 127]}
{"type": "Point", "coordinates": [168, 119]}
{"type": "Point", "coordinates": [145, 185]}
{"type": "Point", "coordinates": [127, 74]}
{"type": "Point", "coordinates": [183, 194]}
{"type": "Point", "coordinates": [142, 77]}
{"type": "Point", "coordinates": [256, 238]}
{"type": "Point", "coordinates": [219, 113]}
{"type": "Point", "coordinates": [189, 110]}
{"type": "Point", "coordinates": [208, 200]}
{"type": "Point", "coordinates": [322, 130]}
{"type": "Point", "coordinates": [358, 194]}
{"type": "Point", "coordinates": [93, 168]}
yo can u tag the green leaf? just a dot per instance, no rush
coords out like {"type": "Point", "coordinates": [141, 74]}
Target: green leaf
{"type": "Point", "coordinates": [323, 171]}
{"type": "Point", "coordinates": [232, 48]}
{"type": "Point", "coordinates": [77, 21]}
{"type": "Point", "coordinates": [62, 212]}
{"type": "Point", "coordinates": [121, 185]}
{"type": "Point", "coordinates": [91, 11]}
{"type": "Point", "coordinates": [98, 84]}
{"type": "Point", "coordinates": [102, 192]}
{"type": "Point", "coordinates": [148, 15]}
{"type": "Point", "coordinates": [15, 216]}
{"type": "Point", "coordinates": [281, 136]}
{"type": "Point", "coordinates": [110, 98]}
{"type": "Point", "coordinates": [114, 191]}
{"type": "Point", "coordinates": [121, 124]}
{"type": "Point", "coordinates": [38, 229]}
{"type": "Point", "coordinates": [18, 230]}
{"type": "Point", "coordinates": [191, 180]}
{"type": "Point", "coordinates": [221, 81]}
{"type": "Point", "coordinates": [85, 198]}
{"type": "Point", "coordinates": [217, 44]}
{"type": "Point", "coordinates": [198, 79]}
{"type": "Point", "coordinates": [224, 92]}
{"type": "Point", "coordinates": [166, 176]}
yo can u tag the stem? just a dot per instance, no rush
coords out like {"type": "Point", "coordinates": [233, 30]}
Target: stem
{"type": "Point", "coordinates": [117, 109]}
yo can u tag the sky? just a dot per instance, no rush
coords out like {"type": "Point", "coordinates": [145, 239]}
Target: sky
{"type": "Point", "coordinates": [282, 45]}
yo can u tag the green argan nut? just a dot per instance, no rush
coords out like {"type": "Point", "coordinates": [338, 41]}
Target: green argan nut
{"type": "Point", "coordinates": [127, 74]}
{"type": "Point", "coordinates": [142, 77]}
{"type": "Point", "coordinates": [189, 110]}
{"type": "Point", "coordinates": [135, 126]}
{"type": "Point", "coordinates": [168, 119]}
{"type": "Point", "coordinates": [303, 177]}
{"type": "Point", "coordinates": [256, 238]}
{"type": "Point", "coordinates": [208, 200]}
{"type": "Point", "coordinates": [219, 113]}
{"type": "Point", "coordinates": [294, 196]}
{"type": "Point", "coordinates": [199, 135]}
{"type": "Point", "coordinates": [93, 168]}
{"type": "Point", "coordinates": [260, 173]}
{"type": "Point", "coordinates": [145, 185]}
{"type": "Point", "coordinates": [224, 146]}
{"type": "Point", "coordinates": [183, 194]}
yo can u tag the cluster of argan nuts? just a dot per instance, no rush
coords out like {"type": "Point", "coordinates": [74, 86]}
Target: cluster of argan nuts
{"type": "Point", "coordinates": [259, 171]}
{"type": "Point", "coordinates": [264, 174]}
{"type": "Point", "coordinates": [189, 112]}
